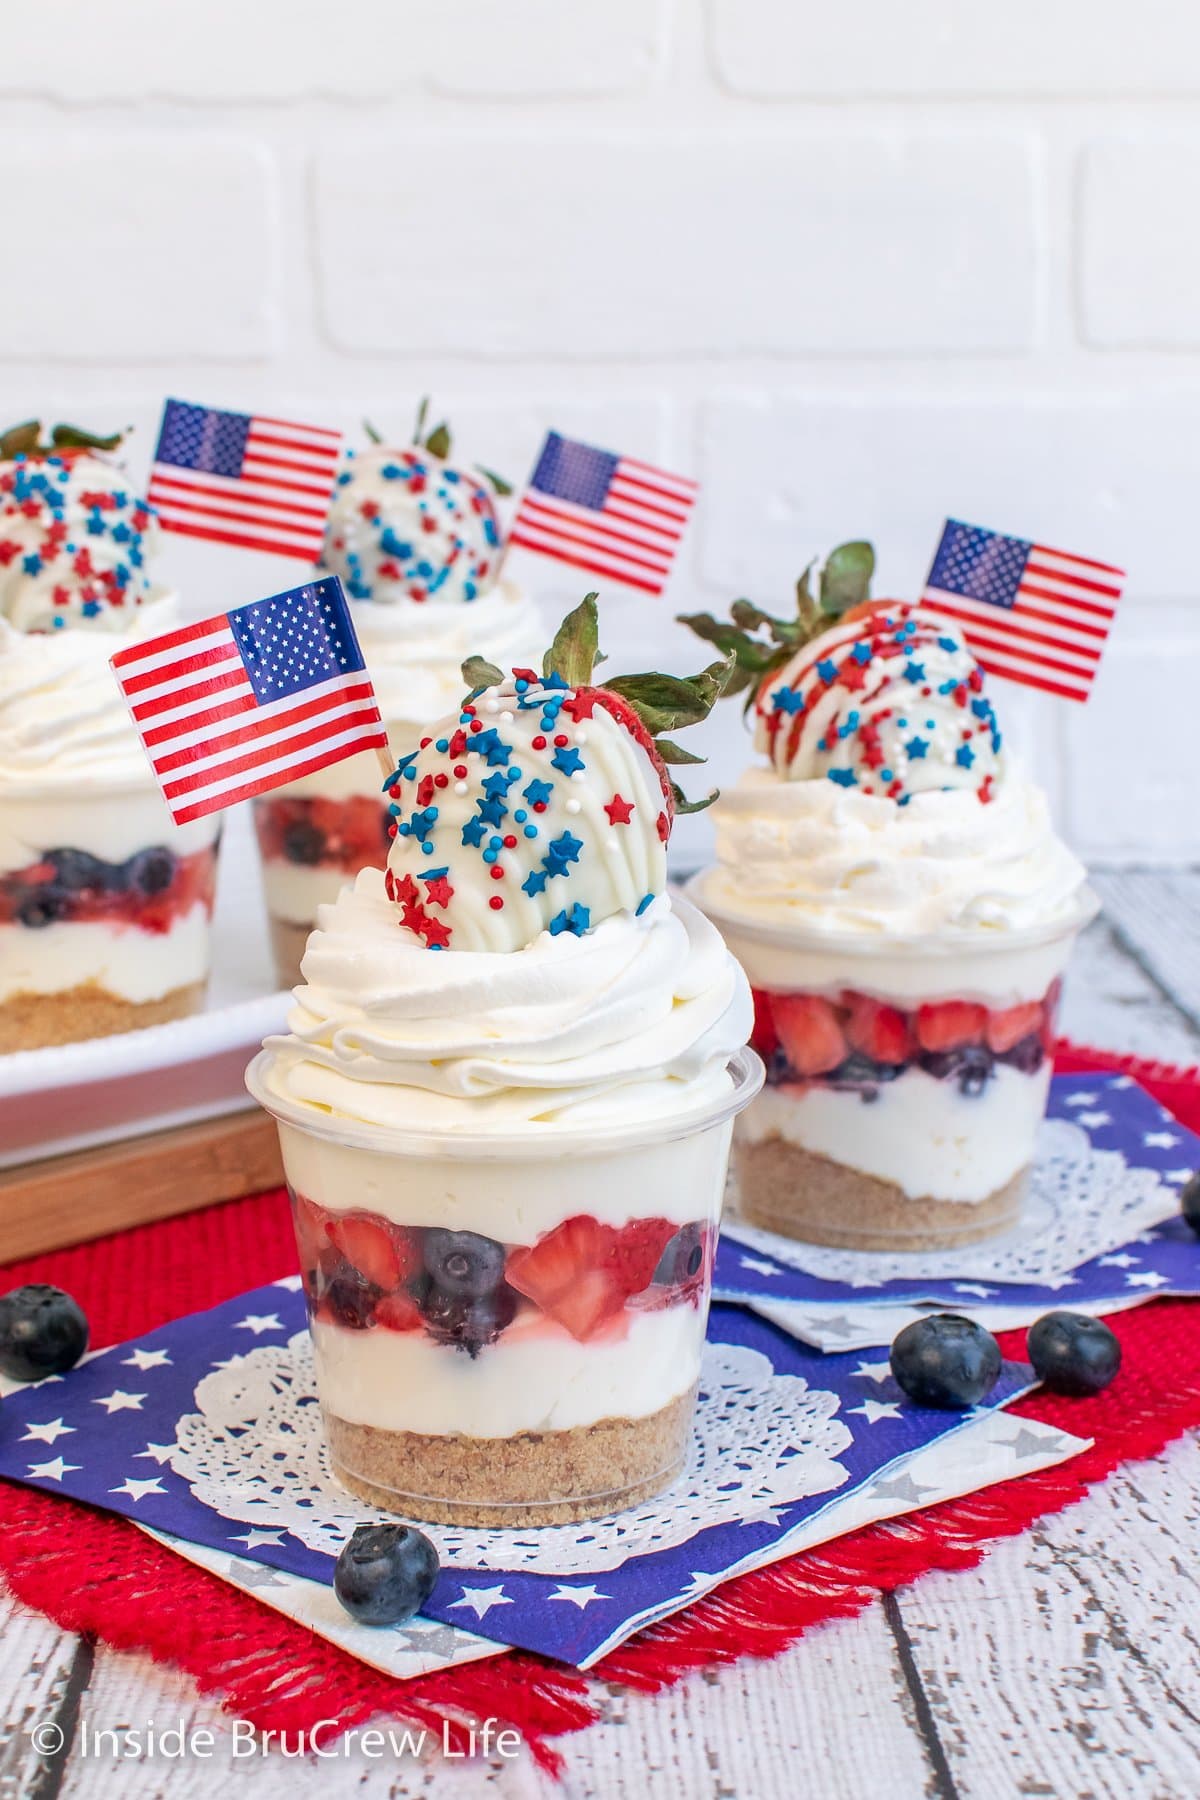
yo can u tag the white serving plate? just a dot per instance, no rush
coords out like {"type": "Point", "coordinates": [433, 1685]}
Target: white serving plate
{"type": "Point", "coordinates": [74, 1096]}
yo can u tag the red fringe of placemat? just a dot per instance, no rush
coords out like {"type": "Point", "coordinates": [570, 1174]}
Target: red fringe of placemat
{"type": "Point", "coordinates": [96, 1574]}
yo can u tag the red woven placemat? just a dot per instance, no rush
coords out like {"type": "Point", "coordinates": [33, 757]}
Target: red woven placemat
{"type": "Point", "coordinates": [97, 1574]}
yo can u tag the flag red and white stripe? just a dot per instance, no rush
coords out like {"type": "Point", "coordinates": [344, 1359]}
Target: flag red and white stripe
{"type": "Point", "coordinates": [215, 735]}
{"type": "Point", "coordinates": [609, 515]}
{"type": "Point", "coordinates": [1038, 615]}
{"type": "Point", "coordinates": [254, 481]}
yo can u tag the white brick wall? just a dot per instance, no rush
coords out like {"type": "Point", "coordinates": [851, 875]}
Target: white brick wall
{"type": "Point", "coordinates": [858, 267]}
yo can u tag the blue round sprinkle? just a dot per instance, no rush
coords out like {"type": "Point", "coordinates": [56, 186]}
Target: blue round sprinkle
{"type": "Point", "coordinates": [531, 831]}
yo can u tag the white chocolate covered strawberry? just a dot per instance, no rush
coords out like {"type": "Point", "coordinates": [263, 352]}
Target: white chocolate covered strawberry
{"type": "Point", "coordinates": [410, 524]}
{"type": "Point", "coordinates": [872, 695]}
{"type": "Point", "coordinates": [544, 803]}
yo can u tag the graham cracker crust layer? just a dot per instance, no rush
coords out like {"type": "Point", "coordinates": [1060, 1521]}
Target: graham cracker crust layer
{"type": "Point", "coordinates": [288, 944]}
{"type": "Point", "coordinates": [534, 1478]}
{"type": "Point", "coordinates": [33, 1021]}
{"type": "Point", "coordinates": [784, 1188]}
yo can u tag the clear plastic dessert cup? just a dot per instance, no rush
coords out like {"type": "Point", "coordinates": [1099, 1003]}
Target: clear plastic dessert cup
{"type": "Point", "coordinates": [906, 1079]}
{"type": "Point", "coordinates": [313, 837]}
{"type": "Point", "coordinates": [507, 1328]}
{"type": "Point", "coordinates": [105, 910]}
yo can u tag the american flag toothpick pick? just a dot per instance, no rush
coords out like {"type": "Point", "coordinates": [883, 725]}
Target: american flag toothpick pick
{"type": "Point", "coordinates": [1035, 615]}
{"type": "Point", "coordinates": [245, 479]}
{"type": "Point", "coordinates": [243, 702]}
{"type": "Point", "coordinates": [609, 515]}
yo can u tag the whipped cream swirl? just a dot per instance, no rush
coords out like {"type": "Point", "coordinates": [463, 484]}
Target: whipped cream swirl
{"type": "Point", "coordinates": [637, 1019]}
{"type": "Point", "coordinates": [415, 652]}
{"type": "Point", "coordinates": [63, 721]}
{"type": "Point", "coordinates": [811, 854]}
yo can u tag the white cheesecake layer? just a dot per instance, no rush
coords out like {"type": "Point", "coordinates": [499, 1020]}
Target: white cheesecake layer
{"type": "Point", "coordinates": [515, 1199]}
{"type": "Point", "coordinates": [536, 1377]}
{"type": "Point", "coordinates": [294, 892]}
{"type": "Point", "coordinates": [126, 962]}
{"type": "Point", "coordinates": [924, 1135]}
{"type": "Point", "coordinates": [112, 822]}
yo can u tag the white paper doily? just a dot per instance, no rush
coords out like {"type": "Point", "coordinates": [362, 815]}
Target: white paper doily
{"type": "Point", "coordinates": [254, 1451]}
{"type": "Point", "coordinates": [1082, 1202]}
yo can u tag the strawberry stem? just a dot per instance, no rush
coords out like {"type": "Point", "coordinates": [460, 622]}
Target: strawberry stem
{"type": "Point", "coordinates": [844, 582]}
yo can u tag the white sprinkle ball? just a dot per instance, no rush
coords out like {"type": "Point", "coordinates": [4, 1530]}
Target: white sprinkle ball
{"type": "Point", "coordinates": [573, 806]}
{"type": "Point", "coordinates": [460, 787]}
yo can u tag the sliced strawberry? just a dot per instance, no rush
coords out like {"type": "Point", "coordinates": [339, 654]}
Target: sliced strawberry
{"type": "Point", "coordinates": [764, 1038]}
{"type": "Point", "coordinates": [809, 1032]}
{"type": "Point", "coordinates": [1004, 1029]}
{"type": "Point", "coordinates": [381, 1253]}
{"type": "Point", "coordinates": [950, 1024]}
{"type": "Point", "coordinates": [567, 1274]}
{"type": "Point", "coordinates": [878, 1031]}
{"type": "Point", "coordinates": [312, 1231]}
{"type": "Point", "coordinates": [634, 1251]}
{"type": "Point", "coordinates": [398, 1312]}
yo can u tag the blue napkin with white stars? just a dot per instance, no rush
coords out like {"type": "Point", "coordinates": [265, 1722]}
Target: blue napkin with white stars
{"type": "Point", "coordinates": [1121, 1121]}
{"type": "Point", "coordinates": [162, 1430]}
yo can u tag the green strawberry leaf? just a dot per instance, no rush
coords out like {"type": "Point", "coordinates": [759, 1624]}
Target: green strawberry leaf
{"type": "Point", "coordinates": [478, 674]}
{"type": "Point", "coordinates": [844, 582]}
{"type": "Point", "coordinates": [376, 437]}
{"type": "Point", "coordinates": [438, 441]}
{"type": "Point", "coordinates": [684, 805]}
{"type": "Point", "coordinates": [65, 437]}
{"type": "Point", "coordinates": [846, 577]}
{"type": "Point", "coordinates": [21, 440]}
{"type": "Point", "coordinates": [422, 415]}
{"type": "Point", "coordinates": [498, 482]}
{"type": "Point", "coordinates": [675, 753]}
{"type": "Point", "coordinates": [576, 647]}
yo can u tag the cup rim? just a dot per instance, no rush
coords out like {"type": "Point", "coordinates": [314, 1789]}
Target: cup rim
{"type": "Point", "coordinates": [949, 941]}
{"type": "Point", "coordinates": [533, 1142]}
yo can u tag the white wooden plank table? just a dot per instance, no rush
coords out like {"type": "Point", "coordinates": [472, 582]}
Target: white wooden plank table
{"type": "Point", "coordinates": [1066, 1665]}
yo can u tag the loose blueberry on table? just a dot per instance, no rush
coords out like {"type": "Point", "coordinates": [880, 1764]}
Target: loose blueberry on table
{"type": "Point", "coordinates": [42, 1332]}
{"type": "Point", "coordinates": [1073, 1354]}
{"type": "Point", "coordinates": [1189, 1201]}
{"type": "Point", "coordinates": [385, 1574]}
{"type": "Point", "coordinates": [464, 1289]}
{"type": "Point", "coordinates": [945, 1361]}
{"type": "Point", "coordinates": [856, 1043]}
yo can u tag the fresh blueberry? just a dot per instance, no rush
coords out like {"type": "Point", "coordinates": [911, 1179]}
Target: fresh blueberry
{"type": "Point", "coordinates": [351, 1301]}
{"type": "Point", "coordinates": [971, 1067]}
{"type": "Point", "coordinates": [682, 1258]}
{"type": "Point", "coordinates": [1027, 1055]}
{"type": "Point", "coordinates": [42, 1332]}
{"type": "Point", "coordinates": [945, 1361]}
{"type": "Point", "coordinates": [303, 843]}
{"type": "Point", "coordinates": [859, 1071]}
{"type": "Point", "coordinates": [975, 1070]}
{"type": "Point", "coordinates": [467, 1324]}
{"type": "Point", "coordinates": [1073, 1354]}
{"type": "Point", "coordinates": [45, 906]}
{"type": "Point", "coordinates": [77, 870]}
{"type": "Point", "coordinates": [151, 871]}
{"type": "Point", "coordinates": [463, 1263]}
{"type": "Point", "coordinates": [1189, 1201]}
{"type": "Point", "coordinates": [385, 1574]}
